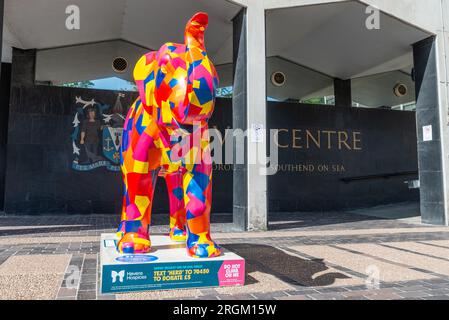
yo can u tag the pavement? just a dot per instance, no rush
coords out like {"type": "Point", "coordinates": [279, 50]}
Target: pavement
{"type": "Point", "coordinates": [303, 256]}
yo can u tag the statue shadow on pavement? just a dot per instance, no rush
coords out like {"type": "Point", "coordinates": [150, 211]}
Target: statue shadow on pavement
{"type": "Point", "coordinates": [287, 268]}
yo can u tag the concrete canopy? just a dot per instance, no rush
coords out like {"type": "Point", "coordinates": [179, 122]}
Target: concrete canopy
{"type": "Point", "coordinates": [333, 39]}
{"type": "Point", "coordinates": [86, 62]}
{"type": "Point", "coordinates": [376, 90]}
{"type": "Point", "coordinates": [329, 38]}
{"type": "Point", "coordinates": [40, 24]}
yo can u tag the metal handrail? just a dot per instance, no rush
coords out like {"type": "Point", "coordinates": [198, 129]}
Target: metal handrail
{"type": "Point", "coordinates": [379, 176]}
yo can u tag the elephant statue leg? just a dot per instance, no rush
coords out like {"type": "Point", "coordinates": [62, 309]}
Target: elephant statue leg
{"type": "Point", "coordinates": [136, 216]}
{"type": "Point", "coordinates": [197, 182]}
{"type": "Point", "coordinates": [140, 168]}
{"type": "Point", "coordinates": [177, 209]}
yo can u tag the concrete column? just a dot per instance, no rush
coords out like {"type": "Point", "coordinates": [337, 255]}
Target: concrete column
{"type": "Point", "coordinates": [2, 9]}
{"type": "Point", "coordinates": [256, 113]}
{"type": "Point", "coordinates": [239, 120]}
{"type": "Point", "coordinates": [5, 90]}
{"type": "Point", "coordinates": [249, 104]}
{"type": "Point", "coordinates": [5, 82]}
{"type": "Point", "coordinates": [442, 53]}
{"type": "Point", "coordinates": [342, 92]}
{"type": "Point", "coordinates": [430, 146]}
{"type": "Point", "coordinates": [23, 67]}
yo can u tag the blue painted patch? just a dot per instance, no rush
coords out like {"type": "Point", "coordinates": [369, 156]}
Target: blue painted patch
{"type": "Point", "coordinates": [189, 215]}
{"type": "Point", "coordinates": [136, 258]}
{"type": "Point", "coordinates": [133, 225]}
{"type": "Point", "coordinates": [148, 79]}
{"type": "Point", "coordinates": [178, 193]}
{"type": "Point", "coordinates": [160, 77]}
{"type": "Point", "coordinates": [203, 93]}
{"type": "Point", "coordinates": [139, 127]}
{"type": "Point", "coordinates": [173, 83]}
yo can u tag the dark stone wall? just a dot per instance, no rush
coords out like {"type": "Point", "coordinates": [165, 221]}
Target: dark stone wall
{"type": "Point", "coordinates": [341, 178]}
{"type": "Point", "coordinates": [5, 87]}
{"type": "Point", "coordinates": [39, 174]}
{"type": "Point", "coordinates": [40, 178]}
{"type": "Point", "coordinates": [223, 174]}
{"type": "Point", "coordinates": [2, 13]}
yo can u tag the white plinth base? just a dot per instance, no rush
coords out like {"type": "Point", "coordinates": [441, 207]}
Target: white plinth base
{"type": "Point", "coordinates": [167, 266]}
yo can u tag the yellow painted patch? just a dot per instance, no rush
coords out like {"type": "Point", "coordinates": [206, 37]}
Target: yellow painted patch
{"type": "Point", "coordinates": [207, 107]}
{"type": "Point", "coordinates": [146, 119]}
{"type": "Point", "coordinates": [210, 250]}
{"type": "Point", "coordinates": [149, 90]}
{"type": "Point", "coordinates": [202, 238]}
{"type": "Point", "coordinates": [196, 84]}
{"type": "Point", "coordinates": [158, 143]}
{"type": "Point", "coordinates": [140, 167]}
{"type": "Point", "coordinates": [142, 69]}
{"type": "Point", "coordinates": [185, 182]}
{"type": "Point", "coordinates": [172, 222]}
{"type": "Point", "coordinates": [206, 64]}
{"type": "Point", "coordinates": [194, 99]}
{"type": "Point", "coordinates": [179, 93]}
{"type": "Point", "coordinates": [180, 74]}
{"type": "Point", "coordinates": [166, 112]}
{"type": "Point", "coordinates": [142, 203]}
{"type": "Point", "coordinates": [205, 145]}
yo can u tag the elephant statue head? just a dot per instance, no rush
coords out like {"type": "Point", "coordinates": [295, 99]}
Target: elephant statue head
{"type": "Point", "coordinates": [177, 83]}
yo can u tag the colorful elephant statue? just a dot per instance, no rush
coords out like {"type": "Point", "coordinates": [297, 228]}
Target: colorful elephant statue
{"type": "Point", "coordinates": [166, 133]}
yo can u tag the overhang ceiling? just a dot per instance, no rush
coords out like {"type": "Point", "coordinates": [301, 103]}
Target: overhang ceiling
{"type": "Point", "coordinates": [299, 81]}
{"type": "Point", "coordinates": [41, 23]}
{"type": "Point", "coordinates": [333, 39]}
{"type": "Point", "coordinates": [371, 91]}
{"type": "Point", "coordinates": [310, 44]}
{"type": "Point", "coordinates": [86, 62]}
{"type": "Point", "coordinates": [378, 90]}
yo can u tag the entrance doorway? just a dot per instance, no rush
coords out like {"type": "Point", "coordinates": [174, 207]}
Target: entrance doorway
{"type": "Point", "coordinates": [348, 103]}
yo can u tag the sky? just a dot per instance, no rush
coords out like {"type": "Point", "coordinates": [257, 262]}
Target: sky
{"type": "Point", "coordinates": [113, 83]}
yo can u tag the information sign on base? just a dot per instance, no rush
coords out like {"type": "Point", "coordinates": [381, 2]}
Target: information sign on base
{"type": "Point", "coordinates": [167, 266]}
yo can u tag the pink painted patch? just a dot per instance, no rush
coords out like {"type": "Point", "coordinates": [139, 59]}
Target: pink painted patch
{"type": "Point", "coordinates": [178, 63]}
{"type": "Point", "coordinates": [180, 48]}
{"type": "Point", "coordinates": [201, 72]}
{"type": "Point", "coordinates": [141, 149]}
{"type": "Point", "coordinates": [232, 273]}
{"type": "Point", "coordinates": [195, 205]}
{"type": "Point", "coordinates": [150, 56]}
{"type": "Point", "coordinates": [132, 212]}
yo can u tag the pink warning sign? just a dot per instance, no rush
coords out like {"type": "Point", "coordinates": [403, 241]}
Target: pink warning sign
{"type": "Point", "coordinates": [232, 273]}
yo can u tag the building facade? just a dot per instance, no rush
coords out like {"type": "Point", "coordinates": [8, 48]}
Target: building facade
{"type": "Point", "coordinates": [362, 59]}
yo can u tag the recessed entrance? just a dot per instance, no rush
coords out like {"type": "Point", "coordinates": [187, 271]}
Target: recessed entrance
{"type": "Point", "coordinates": [348, 114]}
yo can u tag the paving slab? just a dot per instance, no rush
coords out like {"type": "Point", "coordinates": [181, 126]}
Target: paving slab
{"type": "Point", "coordinates": [303, 256]}
{"type": "Point", "coordinates": [35, 264]}
{"type": "Point", "coordinates": [411, 260]}
{"type": "Point", "coordinates": [362, 263]}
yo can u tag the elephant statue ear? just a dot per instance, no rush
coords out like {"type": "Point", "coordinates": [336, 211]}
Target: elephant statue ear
{"type": "Point", "coordinates": [144, 77]}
